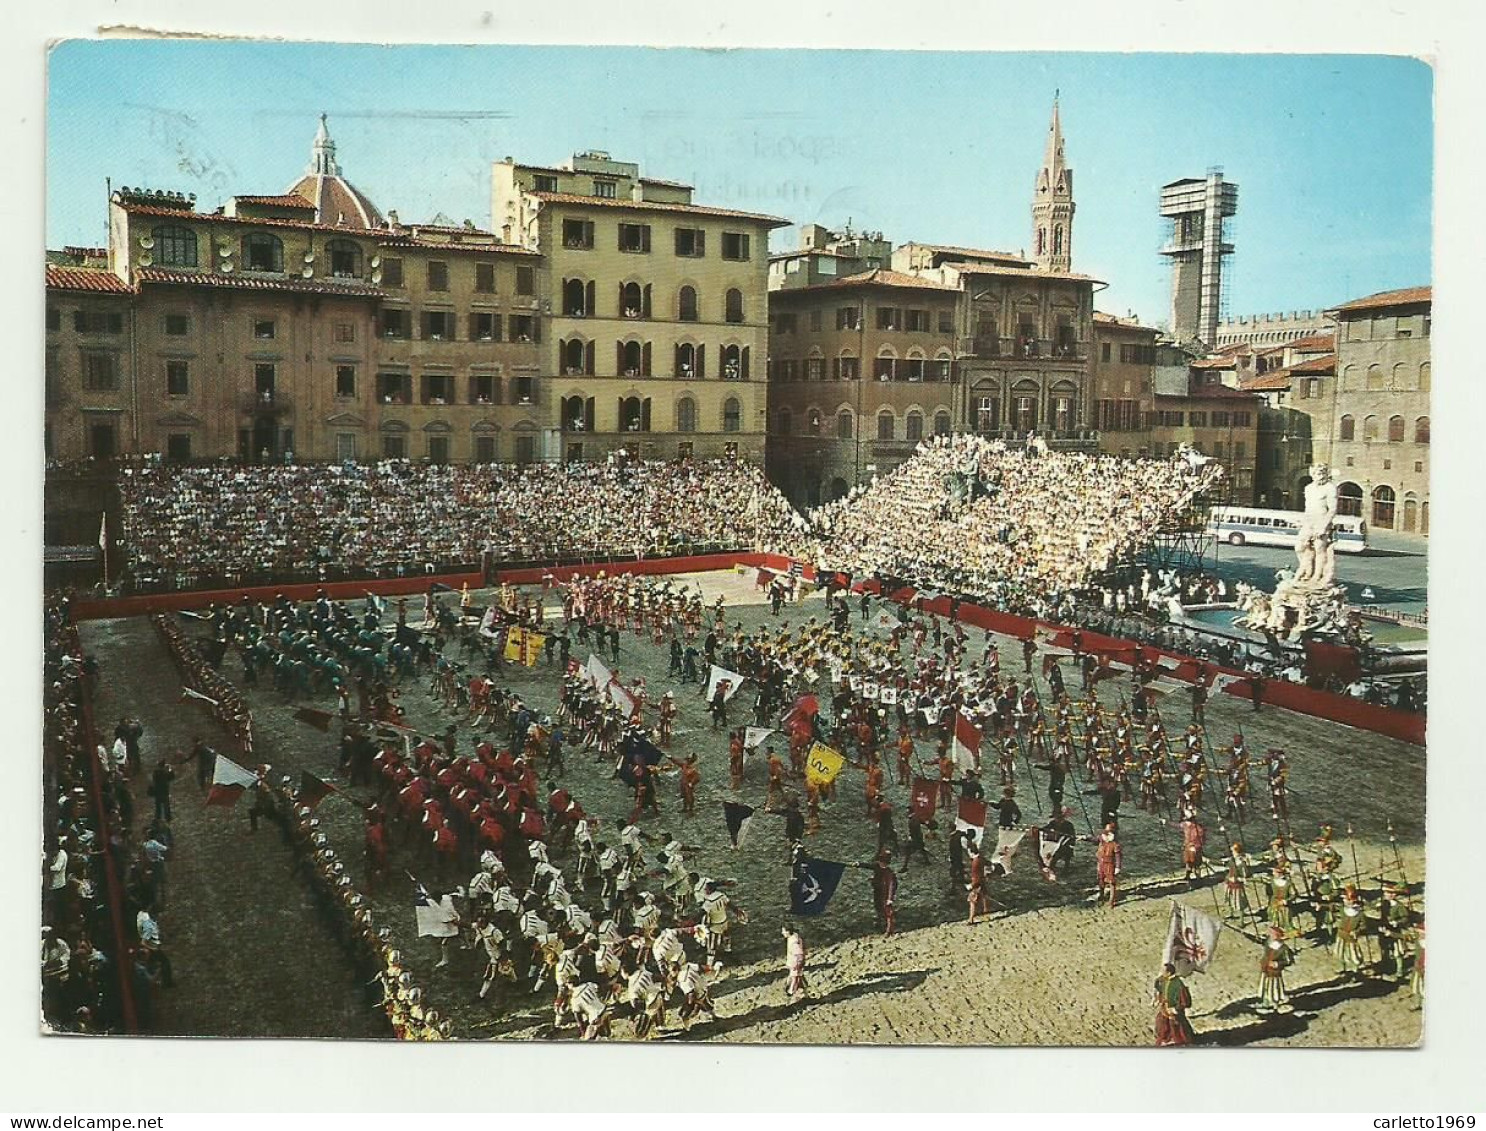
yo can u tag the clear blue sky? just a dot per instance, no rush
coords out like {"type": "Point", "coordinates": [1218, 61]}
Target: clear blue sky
{"type": "Point", "coordinates": [1332, 154]}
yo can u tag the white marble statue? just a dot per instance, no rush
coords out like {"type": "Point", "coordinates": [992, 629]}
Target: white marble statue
{"type": "Point", "coordinates": [1313, 543]}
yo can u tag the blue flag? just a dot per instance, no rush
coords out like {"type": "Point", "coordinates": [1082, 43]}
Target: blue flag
{"type": "Point", "coordinates": [634, 749]}
{"type": "Point", "coordinates": [813, 884]}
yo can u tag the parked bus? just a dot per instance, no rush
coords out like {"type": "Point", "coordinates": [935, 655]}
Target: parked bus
{"type": "Point", "coordinates": [1239, 526]}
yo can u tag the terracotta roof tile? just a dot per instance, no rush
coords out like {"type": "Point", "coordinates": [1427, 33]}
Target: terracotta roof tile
{"type": "Point", "coordinates": [1312, 343]}
{"type": "Point", "coordinates": [657, 206]}
{"type": "Point", "coordinates": [878, 277]}
{"type": "Point", "coordinates": [184, 217]}
{"type": "Point", "coordinates": [92, 279]}
{"type": "Point", "coordinates": [1409, 296]}
{"type": "Point", "coordinates": [440, 246]}
{"type": "Point", "coordinates": [979, 252]}
{"type": "Point", "coordinates": [1214, 363]}
{"type": "Point", "coordinates": [1325, 364]}
{"type": "Point", "coordinates": [1028, 272]}
{"type": "Point", "coordinates": [1268, 382]}
{"type": "Point", "coordinates": [351, 288]}
{"type": "Point", "coordinates": [287, 200]}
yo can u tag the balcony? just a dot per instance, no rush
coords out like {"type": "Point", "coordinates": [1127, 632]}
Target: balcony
{"type": "Point", "coordinates": [266, 402]}
{"type": "Point", "coordinates": [1045, 349]}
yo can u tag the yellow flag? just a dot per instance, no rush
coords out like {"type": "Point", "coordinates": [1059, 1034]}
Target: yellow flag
{"type": "Point", "coordinates": [822, 764]}
{"type": "Point", "coordinates": [532, 645]}
{"type": "Point", "coordinates": [513, 645]}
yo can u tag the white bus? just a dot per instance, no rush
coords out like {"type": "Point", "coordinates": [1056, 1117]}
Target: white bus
{"type": "Point", "coordinates": [1239, 526]}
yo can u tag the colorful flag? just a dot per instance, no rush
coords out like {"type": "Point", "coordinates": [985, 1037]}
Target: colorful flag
{"type": "Point", "coordinates": [716, 676]}
{"type": "Point", "coordinates": [228, 782]}
{"type": "Point", "coordinates": [921, 801]}
{"type": "Point", "coordinates": [532, 646]}
{"type": "Point", "coordinates": [515, 639]}
{"type": "Point", "coordinates": [802, 714]}
{"type": "Point", "coordinates": [312, 790]}
{"type": "Point", "coordinates": [632, 751]}
{"type": "Point", "coordinates": [812, 885]}
{"type": "Point", "coordinates": [752, 736]}
{"type": "Point", "coordinates": [739, 819]}
{"type": "Point", "coordinates": [971, 816]}
{"type": "Point", "coordinates": [1224, 682]}
{"type": "Point", "coordinates": [1048, 847]}
{"type": "Point", "coordinates": [822, 764]}
{"type": "Point", "coordinates": [598, 675]}
{"type": "Point", "coordinates": [436, 918]}
{"type": "Point", "coordinates": [1191, 939]}
{"type": "Point", "coordinates": [885, 621]}
{"type": "Point", "coordinates": [620, 697]}
{"type": "Point", "coordinates": [966, 744]}
{"type": "Point", "coordinates": [1006, 846]}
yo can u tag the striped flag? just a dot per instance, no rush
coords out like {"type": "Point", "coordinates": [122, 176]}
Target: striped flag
{"type": "Point", "coordinates": [966, 744]}
{"type": "Point", "coordinates": [228, 782]}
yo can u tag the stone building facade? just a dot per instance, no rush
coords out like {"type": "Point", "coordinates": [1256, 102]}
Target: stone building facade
{"type": "Point", "coordinates": [1373, 427]}
{"type": "Point", "coordinates": [658, 319]}
{"type": "Point", "coordinates": [860, 370]}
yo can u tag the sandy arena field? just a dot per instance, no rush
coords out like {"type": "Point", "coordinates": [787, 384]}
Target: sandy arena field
{"type": "Point", "coordinates": [252, 956]}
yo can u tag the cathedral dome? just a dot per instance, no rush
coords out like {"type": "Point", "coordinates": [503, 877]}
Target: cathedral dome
{"type": "Point", "coordinates": [337, 201]}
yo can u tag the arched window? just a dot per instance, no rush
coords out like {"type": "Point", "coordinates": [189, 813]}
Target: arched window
{"type": "Point", "coordinates": [631, 300]}
{"type": "Point", "coordinates": [686, 415]}
{"type": "Point", "coordinates": [913, 426]}
{"type": "Point", "coordinates": [631, 355]}
{"type": "Point", "coordinates": [574, 356]}
{"type": "Point", "coordinates": [175, 246]}
{"type": "Point", "coordinates": [1349, 500]}
{"type": "Point", "coordinates": [1375, 378]}
{"type": "Point", "coordinates": [735, 363]}
{"type": "Point", "coordinates": [343, 259]}
{"type": "Point", "coordinates": [574, 418]}
{"type": "Point", "coordinates": [813, 422]}
{"type": "Point", "coordinates": [1348, 428]}
{"type": "Point", "coordinates": [733, 311]}
{"type": "Point", "coordinates": [786, 422]}
{"type": "Point", "coordinates": [1041, 240]}
{"type": "Point", "coordinates": [686, 361]}
{"type": "Point", "coordinates": [1058, 240]}
{"type": "Point", "coordinates": [575, 297]}
{"type": "Point", "coordinates": [1424, 388]}
{"type": "Point", "coordinates": [1410, 513]}
{"type": "Point", "coordinates": [1395, 429]}
{"type": "Point", "coordinates": [1370, 428]}
{"type": "Point", "coordinates": [732, 415]}
{"type": "Point", "coordinates": [1383, 500]}
{"type": "Point", "coordinates": [263, 251]}
{"type": "Point", "coordinates": [844, 429]}
{"type": "Point", "coordinates": [942, 424]}
{"type": "Point", "coordinates": [1421, 430]}
{"type": "Point", "coordinates": [634, 414]}
{"type": "Point", "coordinates": [885, 422]}
{"type": "Point", "coordinates": [688, 304]}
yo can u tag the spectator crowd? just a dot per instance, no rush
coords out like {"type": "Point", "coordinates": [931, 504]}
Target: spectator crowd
{"type": "Point", "coordinates": [185, 526]}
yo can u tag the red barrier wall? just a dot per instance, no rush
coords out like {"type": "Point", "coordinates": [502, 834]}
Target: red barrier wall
{"type": "Point", "coordinates": [1291, 696]}
{"type": "Point", "coordinates": [93, 609]}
